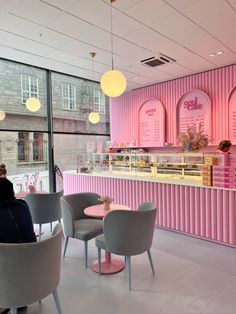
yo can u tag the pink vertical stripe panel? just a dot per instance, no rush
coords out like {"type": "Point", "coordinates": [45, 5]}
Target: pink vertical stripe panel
{"type": "Point", "coordinates": [219, 214]}
{"type": "Point", "coordinates": [208, 212]}
{"type": "Point", "coordinates": [225, 217]}
{"type": "Point", "coordinates": [213, 215]}
{"type": "Point", "coordinates": [232, 220]}
{"type": "Point", "coordinates": [202, 212]}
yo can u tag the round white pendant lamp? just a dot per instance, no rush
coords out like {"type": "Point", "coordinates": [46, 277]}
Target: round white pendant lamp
{"type": "Point", "coordinates": [113, 82]}
{"type": "Point", "coordinates": [33, 104]}
{"type": "Point", "coordinates": [94, 117]}
{"type": "Point", "coordinates": [2, 115]}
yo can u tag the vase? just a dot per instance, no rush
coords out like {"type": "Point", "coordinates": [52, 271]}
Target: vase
{"type": "Point", "coordinates": [107, 205]}
{"type": "Point", "coordinates": [189, 149]}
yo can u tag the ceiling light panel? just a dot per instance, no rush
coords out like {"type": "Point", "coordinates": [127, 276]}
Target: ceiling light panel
{"type": "Point", "coordinates": [150, 11]}
{"type": "Point", "coordinates": [39, 12]}
{"type": "Point", "coordinates": [85, 11]}
{"type": "Point", "coordinates": [62, 4]}
{"type": "Point", "coordinates": [70, 25]}
{"type": "Point", "coordinates": [19, 26]}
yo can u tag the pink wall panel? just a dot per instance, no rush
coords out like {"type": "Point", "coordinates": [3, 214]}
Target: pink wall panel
{"type": "Point", "coordinates": [202, 212]}
{"type": "Point", "coordinates": [216, 83]}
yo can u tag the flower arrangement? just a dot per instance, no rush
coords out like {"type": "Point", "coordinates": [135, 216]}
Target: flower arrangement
{"type": "Point", "coordinates": [106, 200]}
{"type": "Point", "coordinates": [194, 138]}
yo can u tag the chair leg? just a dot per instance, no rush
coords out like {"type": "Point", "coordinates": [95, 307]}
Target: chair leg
{"type": "Point", "coordinates": [63, 236]}
{"type": "Point", "coordinates": [150, 260]}
{"type": "Point", "coordinates": [128, 260]}
{"type": "Point", "coordinates": [86, 253]}
{"type": "Point", "coordinates": [65, 246]}
{"type": "Point", "coordinates": [57, 301]}
{"type": "Point", "coordinates": [99, 260]}
{"type": "Point", "coordinates": [40, 231]}
{"type": "Point", "coordinates": [13, 310]}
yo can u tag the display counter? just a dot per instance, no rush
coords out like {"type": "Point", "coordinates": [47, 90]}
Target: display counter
{"type": "Point", "coordinates": [183, 205]}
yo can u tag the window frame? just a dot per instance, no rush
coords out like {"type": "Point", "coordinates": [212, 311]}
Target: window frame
{"type": "Point", "coordinates": [25, 142]}
{"type": "Point", "coordinates": [66, 105]}
{"type": "Point", "coordinates": [39, 142]}
{"type": "Point", "coordinates": [29, 91]}
{"type": "Point", "coordinates": [100, 105]}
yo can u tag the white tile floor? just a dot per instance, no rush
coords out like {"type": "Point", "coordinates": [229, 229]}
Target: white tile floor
{"type": "Point", "coordinates": [192, 276]}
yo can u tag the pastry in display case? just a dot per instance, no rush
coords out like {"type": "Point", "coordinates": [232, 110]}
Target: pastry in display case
{"type": "Point", "coordinates": [160, 165]}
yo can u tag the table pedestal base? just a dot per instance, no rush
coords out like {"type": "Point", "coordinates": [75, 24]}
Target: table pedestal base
{"type": "Point", "coordinates": [111, 267]}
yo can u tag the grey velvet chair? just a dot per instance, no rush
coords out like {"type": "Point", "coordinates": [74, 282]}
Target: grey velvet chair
{"type": "Point", "coordinates": [128, 233]}
{"type": "Point", "coordinates": [44, 208]}
{"type": "Point", "coordinates": [30, 272]}
{"type": "Point", "coordinates": [75, 223]}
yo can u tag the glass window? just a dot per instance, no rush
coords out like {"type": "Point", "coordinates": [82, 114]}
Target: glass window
{"type": "Point", "coordinates": [29, 87]}
{"type": "Point", "coordinates": [68, 97]}
{"type": "Point", "coordinates": [99, 101]}
{"type": "Point", "coordinates": [37, 147]}
{"type": "Point", "coordinates": [23, 146]}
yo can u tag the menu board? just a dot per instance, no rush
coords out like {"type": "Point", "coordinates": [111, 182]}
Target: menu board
{"type": "Point", "coordinates": [151, 124]}
{"type": "Point", "coordinates": [232, 117]}
{"type": "Point", "coordinates": [194, 107]}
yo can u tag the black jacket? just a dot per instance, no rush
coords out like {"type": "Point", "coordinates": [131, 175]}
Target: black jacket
{"type": "Point", "coordinates": [15, 222]}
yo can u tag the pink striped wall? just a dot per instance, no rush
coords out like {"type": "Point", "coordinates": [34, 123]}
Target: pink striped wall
{"type": "Point", "coordinates": [203, 212]}
{"type": "Point", "coordinates": [216, 83]}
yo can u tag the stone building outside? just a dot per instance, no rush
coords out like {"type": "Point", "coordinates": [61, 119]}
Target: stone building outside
{"type": "Point", "coordinates": [24, 134]}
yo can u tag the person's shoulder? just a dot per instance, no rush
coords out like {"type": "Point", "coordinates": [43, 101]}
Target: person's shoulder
{"type": "Point", "coordinates": [19, 203]}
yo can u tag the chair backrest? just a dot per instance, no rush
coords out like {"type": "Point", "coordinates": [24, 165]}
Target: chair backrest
{"type": "Point", "coordinates": [29, 271]}
{"type": "Point", "coordinates": [44, 207]}
{"type": "Point", "coordinates": [79, 201]}
{"type": "Point", "coordinates": [147, 206]}
{"type": "Point", "coordinates": [73, 206]}
{"type": "Point", "coordinates": [129, 232]}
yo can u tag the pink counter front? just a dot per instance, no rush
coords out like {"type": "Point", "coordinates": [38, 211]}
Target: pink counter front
{"type": "Point", "coordinates": [204, 212]}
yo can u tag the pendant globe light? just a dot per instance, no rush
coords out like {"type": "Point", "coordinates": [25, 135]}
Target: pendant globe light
{"type": "Point", "coordinates": [2, 115]}
{"type": "Point", "coordinates": [94, 117]}
{"type": "Point", "coordinates": [113, 82]}
{"type": "Point", "coordinates": [33, 104]}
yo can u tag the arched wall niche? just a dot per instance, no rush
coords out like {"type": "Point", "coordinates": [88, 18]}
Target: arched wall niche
{"type": "Point", "coordinates": [151, 123]}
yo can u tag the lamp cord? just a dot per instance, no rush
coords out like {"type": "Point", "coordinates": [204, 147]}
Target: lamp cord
{"type": "Point", "coordinates": [112, 62]}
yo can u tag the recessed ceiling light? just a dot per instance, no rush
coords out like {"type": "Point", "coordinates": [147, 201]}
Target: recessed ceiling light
{"type": "Point", "coordinates": [219, 52]}
{"type": "Point", "coordinates": [212, 54]}
{"type": "Point", "coordinates": [134, 78]}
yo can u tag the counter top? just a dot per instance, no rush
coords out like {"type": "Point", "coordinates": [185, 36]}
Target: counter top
{"type": "Point", "coordinates": [194, 183]}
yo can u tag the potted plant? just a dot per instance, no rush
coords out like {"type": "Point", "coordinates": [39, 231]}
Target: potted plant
{"type": "Point", "coordinates": [106, 200]}
{"type": "Point", "coordinates": [194, 138]}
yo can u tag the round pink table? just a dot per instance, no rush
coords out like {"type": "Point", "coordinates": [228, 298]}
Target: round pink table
{"type": "Point", "coordinates": [108, 265]}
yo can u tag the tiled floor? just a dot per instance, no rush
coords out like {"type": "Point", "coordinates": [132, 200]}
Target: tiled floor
{"type": "Point", "coordinates": [192, 276]}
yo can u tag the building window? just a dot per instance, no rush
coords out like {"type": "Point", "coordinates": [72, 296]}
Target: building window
{"type": "Point", "coordinates": [37, 147]}
{"type": "Point", "coordinates": [30, 146]}
{"type": "Point", "coordinates": [99, 101]}
{"type": "Point", "coordinates": [29, 87]}
{"type": "Point", "coordinates": [23, 146]}
{"type": "Point", "coordinates": [68, 97]}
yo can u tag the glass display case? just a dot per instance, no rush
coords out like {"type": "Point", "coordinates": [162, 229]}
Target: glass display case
{"type": "Point", "coordinates": [162, 165]}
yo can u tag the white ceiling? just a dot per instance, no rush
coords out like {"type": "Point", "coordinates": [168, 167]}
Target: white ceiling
{"type": "Point", "coordinates": [60, 34]}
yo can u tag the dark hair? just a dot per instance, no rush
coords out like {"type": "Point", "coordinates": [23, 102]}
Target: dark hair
{"type": "Point", "coordinates": [224, 144]}
{"type": "Point", "coordinates": [3, 170]}
{"type": "Point", "coordinates": [6, 190]}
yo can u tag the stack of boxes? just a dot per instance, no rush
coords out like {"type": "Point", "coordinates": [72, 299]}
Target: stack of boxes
{"type": "Point", "coordinates": [224, 172]}
{"type": "Point", "coordinates": [209, 160]}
